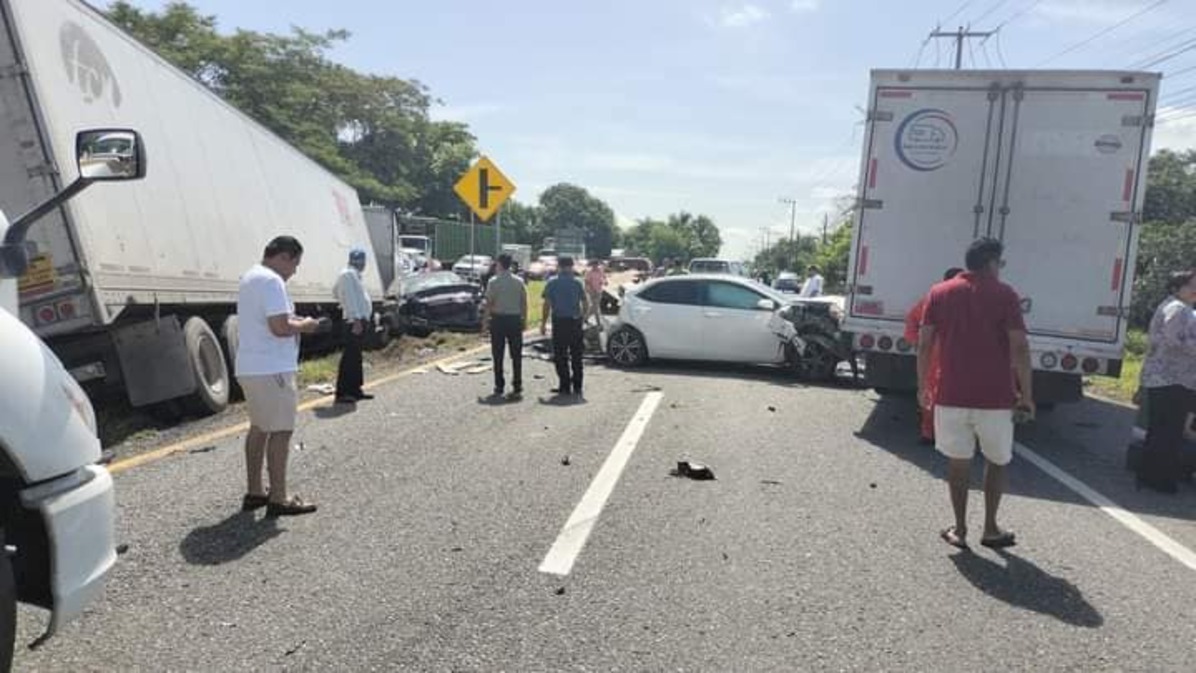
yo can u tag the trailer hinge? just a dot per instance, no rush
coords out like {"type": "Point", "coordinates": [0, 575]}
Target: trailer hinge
{"type": "Point", "coordinates": [1126, 216]}
{"type": "Point", "coordinates": [864, 290]}
{"type": "Point", "coordinates": [1112, 311]}
{"type": "Point", "coordinates": [14, 70]}
{"type": "Point", "coordinates": [870, 204]}
{"type": "Point", "coordinates": [1136, 120]}
{"type": "Point", "coordinates": [45, 170]}
{"type": "Point", "coordinates": [880, 116]}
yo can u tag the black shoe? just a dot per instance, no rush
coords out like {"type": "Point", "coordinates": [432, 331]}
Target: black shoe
{"type": "Point", "coordinates": [515, 395]}
{"type": "Point", "coordinates": [1165, 486]}
{"type": "Point", "coordinates": [364, 396]}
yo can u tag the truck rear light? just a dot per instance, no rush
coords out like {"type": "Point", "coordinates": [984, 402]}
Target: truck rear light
{"type": "Point", "coordinates": [867, 342]}
{"type": "Point", "coordinates": [67, 309]}
{"type": "Point", "coordinates": [885, 343]}
{"type": "Point", "coordinates": [1070, 362]}
{"type": "Point", "coordinates": [903, 346]}
{"type": "Point", "coordinates": [1091, 365]}
{"type": "Point", "coordinates": [46, 315]}
{"type": "Point", "coordinates": [1049, 360]}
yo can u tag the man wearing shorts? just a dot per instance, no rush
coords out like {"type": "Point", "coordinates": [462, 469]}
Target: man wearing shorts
{"type": "Point", "coordinates": [975, 322]}
{"type": "Point", "coordinates": [267, 360]}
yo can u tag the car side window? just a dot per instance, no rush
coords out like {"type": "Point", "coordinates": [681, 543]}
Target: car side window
{"type": "Point", "coordinates": [732, 296]}
{"type": "Point", "coordinates": [682, 292]}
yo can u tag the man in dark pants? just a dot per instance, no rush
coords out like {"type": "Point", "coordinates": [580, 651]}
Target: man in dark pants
{"type": "Point", "coordinates": [356, 308]}
{"type": "Point", "coordinates": [566, 304]}
{"type": "Point", "coordinates": [505, 319]}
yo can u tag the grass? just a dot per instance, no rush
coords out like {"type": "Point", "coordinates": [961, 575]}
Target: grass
{"type": "Point", "coordinates": [405, 349]}
{"type": "Point", "coordinates": [1122, 389]}
{"type": "Point", "coordinates": [535, 303]}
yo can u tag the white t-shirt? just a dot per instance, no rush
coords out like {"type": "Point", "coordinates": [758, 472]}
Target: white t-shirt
{"type": "Point", "coordinates": [813, 286]}
{"type": "Point", "coordinates": [259, 353]}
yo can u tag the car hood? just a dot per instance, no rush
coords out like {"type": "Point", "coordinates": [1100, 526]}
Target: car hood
{"type": "Point", "coordinates": [443, 292]}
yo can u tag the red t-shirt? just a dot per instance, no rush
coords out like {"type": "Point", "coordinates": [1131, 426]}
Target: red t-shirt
{"type": "Point", "coordinates": [972, 316]}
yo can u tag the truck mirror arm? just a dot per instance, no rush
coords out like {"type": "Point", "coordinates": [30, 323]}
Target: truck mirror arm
{"type": "Point", "coordinates": [14, 257]}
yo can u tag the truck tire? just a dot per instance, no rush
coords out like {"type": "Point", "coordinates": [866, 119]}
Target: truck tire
{"type": "Point", "coordinates": [229, 336]}
{"type": "Point", "coordinates": [8, 610]}
{"type": "Point", "coordinates": [212, 382]}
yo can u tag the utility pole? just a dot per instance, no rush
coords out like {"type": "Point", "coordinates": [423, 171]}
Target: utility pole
{"type": "Point", "coordinates": [959, 36]}
{"type": "Point", "coordinates": [825, 223]}
{"type": "Point", "coordinates": [792, 226]}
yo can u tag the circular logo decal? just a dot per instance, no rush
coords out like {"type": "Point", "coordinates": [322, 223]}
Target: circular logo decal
{"type": "Point", "coordinates": [1108, 144]}
{"type": "Point", "coordinates": [927, 140]}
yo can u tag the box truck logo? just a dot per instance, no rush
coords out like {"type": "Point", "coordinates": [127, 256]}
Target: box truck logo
{"type": "Point", "coordinates": [86, 66]}
{"type": "Point", "coordinates": [1108, 144]}
{"type": "Point", "coordinates": [927, 140]}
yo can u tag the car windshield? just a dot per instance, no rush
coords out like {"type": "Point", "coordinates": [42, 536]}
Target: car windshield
{"type": "Point", "coordinates": [709, 266]}
{"type": "Point", "coordinates": [431, 281]}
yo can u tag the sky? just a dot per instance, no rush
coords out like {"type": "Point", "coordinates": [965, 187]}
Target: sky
{"type": "Point", "coordinates": [720, 107]}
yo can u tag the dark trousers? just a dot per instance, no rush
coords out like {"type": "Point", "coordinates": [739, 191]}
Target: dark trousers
{"type": "Point", "coordinates": [567, 346]}
{"type": "Point", "coordinates": [349, 377]}
{"type": "Point", "coordinates": [1167, 413]}
{"type": "Point", "coordinates": [506, 332]}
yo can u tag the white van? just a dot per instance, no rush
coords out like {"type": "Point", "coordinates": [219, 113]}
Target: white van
{"type": "Point", "coordinates": [709, 265]}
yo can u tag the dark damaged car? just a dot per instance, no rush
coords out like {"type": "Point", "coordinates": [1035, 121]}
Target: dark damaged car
{"type": "Point", "coordinates": [441, 300]}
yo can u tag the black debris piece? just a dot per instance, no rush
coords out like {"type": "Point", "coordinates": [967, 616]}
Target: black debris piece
{"type": "Point", "coordinates": [561, 591]}
{"type": "Point", "coordinates": [566, 461]}
{"type": "Point", "coordinates": [770, 482]}
{"type": "Point", "coordinates": [773, 409]}
{"type": "Point", "coordinates": [122, 549]}
{"type": "Point", "coordinates": [695, 471]}
{"type": "Point", "coordinates": [204, 449]}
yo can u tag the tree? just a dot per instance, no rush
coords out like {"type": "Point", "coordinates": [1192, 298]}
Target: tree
{"type": "Point", "coordinates": [701, 236]}
{"type": "Point", "coordinates": [833, 257]}
{"type": "Point", "coordinates": [566, 206]}
{"type": "Point", "coordinates": [1171, 187]}
{"type": "Point", "coordinates": [1167, 241]}
{"type": "Point", "coordinates": [520, 224]}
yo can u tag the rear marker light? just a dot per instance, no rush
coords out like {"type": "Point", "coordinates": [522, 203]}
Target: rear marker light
{"type": "Point", "coordinates": [903, 345]}
{"type": "Point", "coordinates": [867, 342]}
{"type": "Point", "coordinates": [1091, 365]}
{"type": "Point", "coordinates": [1070, 362]}
{"type": "Point", "coordinates": [66, 310]}
{"type": "Point", "coordinates": [1049, 360]}
{"type": "Point", "coordinates": [885, 343]}
{"type": "Point", "coordinates": [46, 315]}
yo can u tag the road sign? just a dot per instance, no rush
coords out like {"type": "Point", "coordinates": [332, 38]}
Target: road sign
{"type": "Point", "coordinates": [484, 189]}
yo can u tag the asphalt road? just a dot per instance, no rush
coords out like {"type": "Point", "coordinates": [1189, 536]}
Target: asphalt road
{"type": "Point", "coordinates": [815, 549]}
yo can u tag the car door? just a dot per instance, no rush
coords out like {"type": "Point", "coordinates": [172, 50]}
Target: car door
{"type": "Point", "coordinates": [669, 315]}
{"type": "Point", "coordinates": [735, 328]}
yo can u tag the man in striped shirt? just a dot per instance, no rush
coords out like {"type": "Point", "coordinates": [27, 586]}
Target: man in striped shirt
{"type": "Point", "coordinates": [357, 310]}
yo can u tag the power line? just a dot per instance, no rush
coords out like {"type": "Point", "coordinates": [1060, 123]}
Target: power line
{"type": "Point", "coordinates": [1099, 34]}
{"type": "Point", "coordinates": [988, 62]}
{"type": "Point", "coordinates": [1170, 120]}
{"type": "Point", "coordinates": [1154, 43]}
{"type": "Point", "coordinates": [959, 36]}
{"type": "Point", "coordinates": [1181, 71]}
{"type": "Point", "coordinates": [992, 9]}
{"type": "Point", "coordinates": [1186, 47]}
{"type": "Point", "coordinates": [917, 60]}
{"type": "Point", "coordinates": [1174, 94]}
{"type": "Point", "coordinates": [958, 10]}
{"type": "Point", "coordinates": [1019, 14]}
{"type": "Point", "coordinates": [1000, 51]}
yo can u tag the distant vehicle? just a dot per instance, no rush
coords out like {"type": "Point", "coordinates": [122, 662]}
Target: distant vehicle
{"type": "Point", "coordinates": [718, 266]}
{"type": "Point", "coordinates": [422, 244]}
{"type": "Point", "coordinates": [787, 282]}
{"type": "Point", "coordinates": [473, 267]}
{"type": "Point", "coordinates": [620, 264]}
{"type": "Point", "coordinates": [544, 266]}
{"type": "Point", "coordinates": [440, 300]}
{"type": "Point", "coordinates": [1052, 163]}
{"type": "Point", "coordinates": [725, 318]}
{"type": "Point", "coordinates": [520, 254]}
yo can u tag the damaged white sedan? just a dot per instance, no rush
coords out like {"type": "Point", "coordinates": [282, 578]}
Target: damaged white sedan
{"type": "Point", "coordinates": [728, 319]}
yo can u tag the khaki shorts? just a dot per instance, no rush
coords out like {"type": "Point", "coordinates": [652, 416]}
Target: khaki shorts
{"type": "Point", "coordinates": [273, 401]}
{"type": "Point", "coordinates": [956, 432]}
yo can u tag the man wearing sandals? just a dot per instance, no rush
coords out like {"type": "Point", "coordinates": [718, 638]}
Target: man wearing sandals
{"type": "Point", "coordinates": [267, 361]}
{"type": "Point", "coordinates": [975, 322]}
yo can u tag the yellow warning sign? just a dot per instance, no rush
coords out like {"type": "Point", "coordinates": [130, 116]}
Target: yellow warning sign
{"type": "Point", "coordinates": [39, 276]}
{"type": "Point", "coordinates": [484, 189]}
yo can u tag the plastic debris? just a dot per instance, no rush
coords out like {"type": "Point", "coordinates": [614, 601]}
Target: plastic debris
{"type": "Point", "coordinates": [322, 388]}
{"type": "Point", "coordinates": [694, 471]}
{"type": "Point", "coordinates": [478, 369]}
{"type": "Point", "coordinates": [566, 461]}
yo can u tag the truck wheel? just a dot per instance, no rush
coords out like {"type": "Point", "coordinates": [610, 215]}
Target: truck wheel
{"type": "Point", "coordinates": [380, 335]}
{"type": "Point", "coordinates": [228, 334]}
{"type": "Point", "coordinates": [8, 610]}
{"type": "Point", "coordinates": [208, 363]}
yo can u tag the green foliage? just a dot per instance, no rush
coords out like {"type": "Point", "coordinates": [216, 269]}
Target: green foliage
{"type": "Point", "coordinates": [1168, 239]}
{"type": "Point", "coordinates": [682, 235]}
{"type": "Point", "coordinates": [796, 256]}
{"type": "Point", "coordinates": [832, 258]}
{"type": "Point", "coordinates": [374, 132]}
{"type": "Point", "coordinates": [1171, 187]}
{"type": "Point", "coordinates": [566, 206]}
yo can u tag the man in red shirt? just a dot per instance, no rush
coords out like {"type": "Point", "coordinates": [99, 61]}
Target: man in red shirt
{"type": "Point", "coordinates": [975, 323]}
{"type": "Point", "coordinates": [913, 323]}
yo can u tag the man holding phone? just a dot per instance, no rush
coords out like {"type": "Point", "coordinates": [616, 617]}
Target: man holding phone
{"type": "Point", "coordinates": [975, 321]}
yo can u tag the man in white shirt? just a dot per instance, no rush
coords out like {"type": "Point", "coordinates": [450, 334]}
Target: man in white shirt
{"type": "Point", "coordinates": [267, 360]}
{"type": "Point", "coordinates": [357, 310]}
{"type": "Point", "coordinates": [813, 284]}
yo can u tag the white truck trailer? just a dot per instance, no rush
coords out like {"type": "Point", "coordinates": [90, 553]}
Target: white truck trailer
{"type": "Point", "coordinates": [137, 287]}
{"type": "Point", "coordinates": [1051, 163]}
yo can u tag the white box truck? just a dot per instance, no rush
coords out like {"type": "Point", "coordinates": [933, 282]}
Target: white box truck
{"type": "Point", "coordinates": [1051, 163]}
{"type": "Point", "coordinates": [137, 287]}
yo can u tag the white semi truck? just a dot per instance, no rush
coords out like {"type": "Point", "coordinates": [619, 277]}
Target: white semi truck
{"type": "Point", "coordinates": [1051, 163]}
{"type": "Point", "coordinates": [137, 289]}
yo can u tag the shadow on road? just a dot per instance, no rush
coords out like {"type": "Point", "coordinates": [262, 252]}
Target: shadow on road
{"type": "Point", "coordinates": [335, 411]}
{"type": "Point", "coordinates": [774, 375]}
{"type": "Point", "coordinates": [230, 540]}
{"type": "Point", "coordinates": [1022, 584]}
{"type": "Point", "coordinates": [562, 401]}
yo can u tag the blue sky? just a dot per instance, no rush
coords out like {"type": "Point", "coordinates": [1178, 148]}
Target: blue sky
{"type": "Point", "coordinates": [712, 106]}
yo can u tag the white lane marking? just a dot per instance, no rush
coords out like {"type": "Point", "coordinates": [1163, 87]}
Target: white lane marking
{"type": "Point", "coordinates": [572, 539]}
{"type": "Point", "coordinates": [1131, 521]}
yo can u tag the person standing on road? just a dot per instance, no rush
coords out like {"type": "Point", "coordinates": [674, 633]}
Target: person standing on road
{"type": "Point", "coordinates": [1169, 379]}
{"type": "Point", "coordinates": [913, 323]}
{"type": "Point", "coordinates": [565, 303]}
{"type": "Point", "coordinates": [813, 284]}
{"type": "Point", "coordinates": [267, 361]}
{"type": "Point", "coordinates": [595, 286]}
{"type": "Point", "coordinates": [505, 319]}
{"type": "Point", "coordinates": [975, 322]}
{"type": "Point", "coordinates": [356, 310]}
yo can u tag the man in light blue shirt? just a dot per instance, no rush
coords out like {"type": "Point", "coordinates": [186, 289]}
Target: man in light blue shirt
{"type": "Point", "coordinates": [357, 310]}
{"type": "Point", "coordinates": [566, 305]}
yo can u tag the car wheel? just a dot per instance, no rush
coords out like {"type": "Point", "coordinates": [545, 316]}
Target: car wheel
{"type": "Point", "coordinates": [627, 348]}
{"type": "Point", "coordinates": [818, 364]}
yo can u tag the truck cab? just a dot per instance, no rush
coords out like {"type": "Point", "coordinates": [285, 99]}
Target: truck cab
{"type": "Point", "coordinates": [57, 506]}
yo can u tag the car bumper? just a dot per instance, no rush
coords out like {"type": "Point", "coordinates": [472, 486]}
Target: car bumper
{"type": "Point", "coordinates": [79, 513]}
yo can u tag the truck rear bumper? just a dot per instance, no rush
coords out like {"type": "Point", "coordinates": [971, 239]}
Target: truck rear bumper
{"type": "Point", "coordinates": [79, 513]}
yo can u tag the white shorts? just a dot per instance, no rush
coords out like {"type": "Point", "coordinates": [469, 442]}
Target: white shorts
{"type": "Point", "coordinates": [956, 432]}
{"type": "Point", "coordinates": [273, 401]}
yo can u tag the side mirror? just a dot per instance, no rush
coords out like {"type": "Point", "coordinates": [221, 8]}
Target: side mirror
{"type": "Point", "coordinates": [767, 305]}
{"type": "Point", "coordinates": [110, 155]}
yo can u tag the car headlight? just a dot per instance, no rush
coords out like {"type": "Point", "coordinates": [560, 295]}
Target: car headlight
{"type": "Point", "coordinates": [80, 403]}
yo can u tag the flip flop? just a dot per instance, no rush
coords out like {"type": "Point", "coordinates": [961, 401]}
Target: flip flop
{"type": "Point", "coordinates": [251, 502]}
{"type": "Point", "coordinates": [1002, 541]}
{"type": "Point", "coordinates": [953, 538]}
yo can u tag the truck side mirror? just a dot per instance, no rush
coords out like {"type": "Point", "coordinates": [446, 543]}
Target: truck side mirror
{"type": "Point", "coordinates": [110, 155]}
